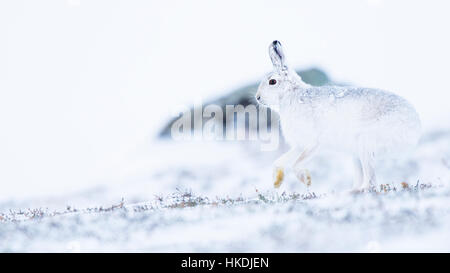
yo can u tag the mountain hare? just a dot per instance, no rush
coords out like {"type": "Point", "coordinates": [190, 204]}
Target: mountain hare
{"type": "Point", "coordinates": [365, 122]}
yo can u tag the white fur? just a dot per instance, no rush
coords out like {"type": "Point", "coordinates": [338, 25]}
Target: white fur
{"type": "Point", "coordinates": [365, 122]}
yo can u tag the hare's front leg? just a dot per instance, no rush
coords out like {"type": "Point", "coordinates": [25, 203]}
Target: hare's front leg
{"type": "Point", "coordinates": [358, 178]}
{"type": "Point", "coordinates": [286, 160]}
{"type": "Point", "coordinates": [303, 174]}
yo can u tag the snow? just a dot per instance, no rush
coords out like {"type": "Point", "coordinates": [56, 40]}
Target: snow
{"type": "Point", "coordinates": [222, 200]}
{"type": "Point", "coordinates": [406, 221]}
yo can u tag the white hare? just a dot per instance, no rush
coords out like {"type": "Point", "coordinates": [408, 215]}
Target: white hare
{"type": "Point", "coordinates": [365, 122]}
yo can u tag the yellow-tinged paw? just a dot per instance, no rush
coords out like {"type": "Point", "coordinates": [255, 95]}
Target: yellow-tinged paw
{"type": "Point", "coordinates": [305, 177]}
{"type": "Point", "coordinates": [278, 177]}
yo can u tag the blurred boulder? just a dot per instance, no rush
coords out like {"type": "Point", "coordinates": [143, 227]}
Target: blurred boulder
{"type": "Point", "coordinates": [245, 96]}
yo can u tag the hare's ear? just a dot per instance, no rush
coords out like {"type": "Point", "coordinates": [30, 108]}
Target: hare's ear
{"type": "Point", "coordinates": [277, 56]}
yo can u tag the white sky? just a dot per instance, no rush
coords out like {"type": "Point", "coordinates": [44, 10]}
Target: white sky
{"type": "Point", "coordinates": [84, 82]}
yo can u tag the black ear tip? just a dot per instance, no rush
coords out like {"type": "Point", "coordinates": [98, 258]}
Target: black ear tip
{"type": "Point", "coordinates": [276, 42]}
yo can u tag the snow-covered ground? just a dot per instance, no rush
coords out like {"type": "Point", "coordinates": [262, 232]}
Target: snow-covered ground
{"type": "Point", "coordinates": [219, 197]}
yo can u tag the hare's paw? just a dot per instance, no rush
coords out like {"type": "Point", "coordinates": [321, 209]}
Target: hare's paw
{"type": "Point", "coordinates": [304, 176]}
{"type": "Point", "coordinates": [367, 189]}
{"type": "Point", "coordinates": [354, 191]}
{"type": "Point", "coordinates": [361, 190]}
{"type": "Point", "coordinates": [278, 176]}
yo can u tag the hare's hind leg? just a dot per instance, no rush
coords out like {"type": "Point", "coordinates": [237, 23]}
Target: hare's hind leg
{"type": "Point", "coordinates": [358, 174]}
{"type": "Point", "coordinates": [367, 163]}
{"type": "Point", "coordinates": [365, 145]}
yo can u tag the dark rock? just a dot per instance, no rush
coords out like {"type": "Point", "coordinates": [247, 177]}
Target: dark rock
{"type": "Point", "coordinates": [245, 96]}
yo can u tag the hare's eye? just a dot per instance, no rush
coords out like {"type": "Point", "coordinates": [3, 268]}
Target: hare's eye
{"type": "Point", "coordinates": [272, 82]}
